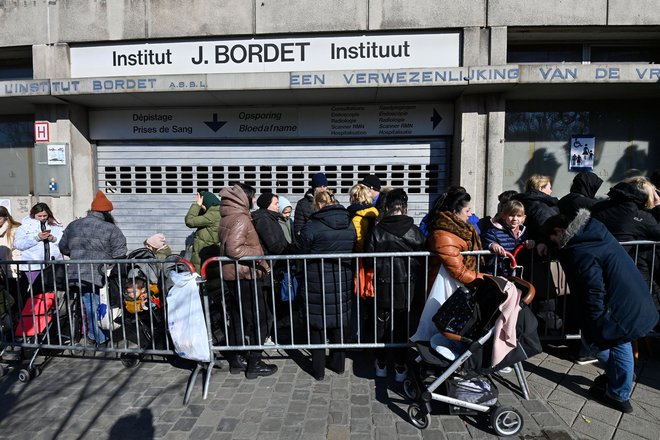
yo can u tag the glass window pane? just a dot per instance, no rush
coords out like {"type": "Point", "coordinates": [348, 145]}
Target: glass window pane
{"type": "Point", "coordinates": [16, 145]}
{"type": "Point", "coordinates": [544, 53]}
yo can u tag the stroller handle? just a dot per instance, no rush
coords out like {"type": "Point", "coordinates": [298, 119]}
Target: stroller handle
{"type": "Point", "coordinates": [206, 264]}
{"type": "Point", "coordinates": [512, 256]}
{"type": "Point", "coordinates": [526, 287]}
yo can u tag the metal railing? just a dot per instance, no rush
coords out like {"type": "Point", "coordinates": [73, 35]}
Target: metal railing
{"type": "Point", "coordinates": [56, 312]}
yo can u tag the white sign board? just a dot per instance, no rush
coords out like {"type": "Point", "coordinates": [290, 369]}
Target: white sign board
{"type": "Point", "coordinates": [582, 152]}
{"type": "Point", "coordinates": [341, 121]}
{"type": "Point", "coordinates": [267, 55]}
{"type": "Point", "coordinates": [56, 154]}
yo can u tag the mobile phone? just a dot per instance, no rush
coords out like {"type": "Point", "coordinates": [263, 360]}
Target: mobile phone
{"type": "Point", "coordinates": [46, 230]}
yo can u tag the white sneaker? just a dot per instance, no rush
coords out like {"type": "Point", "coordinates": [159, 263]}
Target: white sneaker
{"type": "Point", "coordinates": [506, 370]}
{"type": "Point", "coordinates": [269, 341]}
{"type": "Point", "coordinates": [380, 372]}
{"type": "Point", "coordinates": [400, 376]}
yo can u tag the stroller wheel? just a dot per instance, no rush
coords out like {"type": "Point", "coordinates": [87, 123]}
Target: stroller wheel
{"type": "Point", "coordinates": [506, 420]}
{"type": "Point", "coordinates": [130, 360]}
{"type": "Point", "coordinates": [418, 417]}
{"type": "Point", "coordinates": [410, 389]}
{"type": "Point", "coordinates": [24, 376]}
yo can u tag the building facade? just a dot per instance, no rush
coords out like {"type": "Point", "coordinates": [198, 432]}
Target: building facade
{"type": "Point", "coordinates": [153, 100]}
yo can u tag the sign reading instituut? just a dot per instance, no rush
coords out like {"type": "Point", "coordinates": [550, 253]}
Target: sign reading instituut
{"type": "Point", "coordinates": [267, 55]}
{"type": "Point", "coordinates": [340, 121]}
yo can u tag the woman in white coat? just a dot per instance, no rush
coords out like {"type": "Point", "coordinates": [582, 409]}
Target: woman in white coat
{"type": "Point", "coordinates": [37, 238]}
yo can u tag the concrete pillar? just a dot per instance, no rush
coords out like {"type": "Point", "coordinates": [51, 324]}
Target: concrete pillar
{"type": "Point", "coordinates": [51, 61]}
{"type": "Point", "coordinates": [498, 45]}
{"type": "Point", "coordinates": [495, 106]}
{"type": "Point", "coordinates": [475, 46]}
{"type": "Point", "coordinates": [469, 149]}
{"type": "Point", "coordinates": [68, 124]}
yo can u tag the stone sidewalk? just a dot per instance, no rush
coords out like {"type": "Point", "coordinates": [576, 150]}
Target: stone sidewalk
{"type": "Point", "coordinates": [97, 398]}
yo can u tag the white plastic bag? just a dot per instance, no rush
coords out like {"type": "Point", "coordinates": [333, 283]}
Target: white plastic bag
{"type": "Point", "coordinates": [107, 316]}
{"type": "Point", "coordinates": [443, 286]}
{"type": "Point", "coordinates": [185, 318]}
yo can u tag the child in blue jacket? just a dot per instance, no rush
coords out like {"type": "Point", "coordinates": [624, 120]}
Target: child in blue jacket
{"type": "Point", "coordinates": [506, 232]}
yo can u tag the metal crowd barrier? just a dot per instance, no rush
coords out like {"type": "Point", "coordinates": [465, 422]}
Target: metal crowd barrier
{"type": "Point", "coordinates": [53, 320]}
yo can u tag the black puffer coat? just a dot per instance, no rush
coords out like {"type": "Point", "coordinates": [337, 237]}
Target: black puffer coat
{"type": "Point", "coordinates": [396, 233]}
{"type": "Point", "coordinates": [624, 215]}
{"type": "Point", "coordinates": [270, 232]}
{"type": "Point", "coordinates": [539, 207]}
{"type": "Point", "coordinates": [583, 194]}
{"type": "Point", "coordinates": [304, 209]}
{"type": "Point", "coordinates": [328, 231]}
{"type": "Point", "coordinates": [615, 303]}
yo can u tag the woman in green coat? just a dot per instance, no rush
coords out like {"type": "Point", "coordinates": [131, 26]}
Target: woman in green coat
{"type": "Point", "coordinates": [204, 215]}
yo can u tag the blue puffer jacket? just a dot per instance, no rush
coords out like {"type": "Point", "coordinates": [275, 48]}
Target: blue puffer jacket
{"type": "Point", "coordinates": [616, 306]}
{"type": "Point", "coordinates": [328, 231]}
{"type": "Point", "coordinates": [502, 235]}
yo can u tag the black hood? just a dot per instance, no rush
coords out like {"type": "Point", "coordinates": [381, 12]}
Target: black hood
{"type": "Point", "coordinates": [625, 192]}
{"type": "Point", "coordinates": [355, 207]}
{"type": "Point", "coordinates": [264, 213]}
{"type": "Point", "coordinates": [397, 224]}
{"type": "Point", "coordinates": [536, 196]}
{"type": "Point", "coordinates": [587, 184]}
{"type": "Point", "coordinates": [333, 216]}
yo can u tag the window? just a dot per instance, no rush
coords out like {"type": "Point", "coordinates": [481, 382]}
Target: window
{"type": "Point", "coordinates": [544, 53]}
{"type": "Point", "coordinates": [16, 63]}
{"type": "Point", "coordinates": [625, 54]}
{"type": "Point", "coordinates": [16, 147]}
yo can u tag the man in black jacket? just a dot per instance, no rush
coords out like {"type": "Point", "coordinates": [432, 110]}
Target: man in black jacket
{"type": "Point", "coordinates": [304, 206]}
{"type": "Point", "coordinates": [583, 194]}
{"type": "Point", "coordinates": [615, 304]}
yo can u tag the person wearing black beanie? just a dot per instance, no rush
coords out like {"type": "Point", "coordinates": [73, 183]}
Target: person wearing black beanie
{"type": "Point", "coordinates": [265, 200]}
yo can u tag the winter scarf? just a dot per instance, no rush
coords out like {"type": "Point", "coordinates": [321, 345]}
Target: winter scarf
{"type": "Point", "coordinates": [448, 221]}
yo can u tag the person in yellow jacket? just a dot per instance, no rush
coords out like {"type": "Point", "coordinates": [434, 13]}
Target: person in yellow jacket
{"type": "Point", "coordinates": [363, 213]}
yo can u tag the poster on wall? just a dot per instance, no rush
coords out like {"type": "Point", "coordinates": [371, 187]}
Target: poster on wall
{"type": "Point", "coordinates": [582, 152]}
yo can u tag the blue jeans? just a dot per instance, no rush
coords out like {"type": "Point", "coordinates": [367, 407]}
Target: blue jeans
{"type": "Point", "coordinates": [619, 367]}
{"type": "Point", "coordinates": [91, 302]}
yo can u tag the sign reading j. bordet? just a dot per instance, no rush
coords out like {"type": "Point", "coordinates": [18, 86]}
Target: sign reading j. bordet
{"type": "Point", "coordinates": [267, 55]}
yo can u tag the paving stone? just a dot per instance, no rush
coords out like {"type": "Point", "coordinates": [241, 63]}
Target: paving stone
{"type": "Point", "coordinates": [454, 425]}
{"type": "Point", "coordinates": [534, 406]}
{"type": "Point", "coordinates": [314, 427]}
{"type": "Point", "coordinates": [594, 429]}
{"type": "Point", "coordinates": [640, 427]}
{"type": "Point", "coordinates": [201, 433]}
{"type": "Point", "coordinates": [596, 411]}
{"type": "Point", "coordinates": [270, 424]}
{"type": "Point", "coordinates": [184, 424]}
{"type": "Point", "coordinates": [338, 432]}
{"type": "Point", "coordinates": [360, 412]}
{"type": "Point", "coordinates": [227, 424]}
{"type": "Point", "coordinates": [546, 419]}
{"type": "Point", "coordinates": [565, 414]}
{"type": "Point", "coordinates": [246, 430]}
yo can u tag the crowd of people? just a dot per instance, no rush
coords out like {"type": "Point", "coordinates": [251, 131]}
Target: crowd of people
{"type": "Point", "coordinates": [579, 229]}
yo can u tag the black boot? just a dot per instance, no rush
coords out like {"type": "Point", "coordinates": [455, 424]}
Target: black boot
{"type": "Point", "coordinates": [256, 367]}
{"type": "Point", "coordinates": [237, 362]}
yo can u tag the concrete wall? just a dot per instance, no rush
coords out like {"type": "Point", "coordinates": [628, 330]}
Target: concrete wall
{"type": "Point", "coordinates": [71, 21]}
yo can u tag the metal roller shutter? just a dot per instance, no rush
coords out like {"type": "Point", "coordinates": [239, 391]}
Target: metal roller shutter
{"type": "Point", "coordinates": [152, 186]}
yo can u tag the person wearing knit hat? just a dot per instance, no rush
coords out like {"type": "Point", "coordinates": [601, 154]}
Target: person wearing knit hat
{"type": "Point", "coordinates": [266, 199]}
{"type": "Point", "coordinates": [285, 218]}
{"type": "Point", "coordinates": [204, 215]}
{"type": "Point", "coordinates": [265, 220]}
{"type": "Point", "coordinates": [94, 237]}
{"type": "Point", "coordinates": [101, 203]}
{"type": "Point", "coordinates": [157, 244]}
{"type": "Point", "coordinates": [372, 182]}
{"type": "Point", "coordinates": [304, 206]}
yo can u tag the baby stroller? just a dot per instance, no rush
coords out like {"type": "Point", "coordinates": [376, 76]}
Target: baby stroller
{"type": "Point", "coordinates": [141, 315]}
{"type": "Point", "coordinates": [52, 318]}
{"type": "Point", "coordinates": [460, 356]}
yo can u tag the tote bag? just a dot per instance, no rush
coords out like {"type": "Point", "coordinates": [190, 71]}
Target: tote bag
{"type": "Point", "coordinates": [443, 286]}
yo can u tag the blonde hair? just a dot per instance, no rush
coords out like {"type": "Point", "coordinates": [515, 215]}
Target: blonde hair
{"type": "Point", "coordinates": [512, 207]}
{"type": "Point", "coordinates": [536, 182]}
{"type": "Point", "coordinates": [323, 197]}
{"type": "Point", "coordinates": [643, 184]}
{"type": "Point", "coordinates": [361, 194]}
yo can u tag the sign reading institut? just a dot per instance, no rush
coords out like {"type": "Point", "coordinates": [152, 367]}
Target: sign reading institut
{"type": "Point", "coordinates": [267, 55]}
